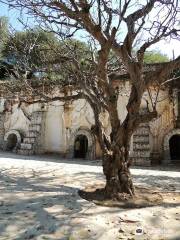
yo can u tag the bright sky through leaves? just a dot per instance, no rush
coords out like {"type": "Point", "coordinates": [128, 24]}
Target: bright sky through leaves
{"type": "Point", "coordinates": [165, 47]}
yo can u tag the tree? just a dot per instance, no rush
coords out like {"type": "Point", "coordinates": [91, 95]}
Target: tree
{"type": "Point", "coordinates": [112, 26]}
{"type": "Point", "coordinates": [35, 51]}
{"type": "Point", "coordinates": [26, 50]}
{"type": "Point", "coordinates": [4, 31]}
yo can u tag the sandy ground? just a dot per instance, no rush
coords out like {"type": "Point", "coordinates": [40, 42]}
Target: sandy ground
{"type": "Point", "coordinates": [39, 200]}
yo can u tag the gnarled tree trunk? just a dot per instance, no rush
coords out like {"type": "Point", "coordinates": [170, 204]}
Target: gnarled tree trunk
{"type": "Point", "coordinates": [117, 172]}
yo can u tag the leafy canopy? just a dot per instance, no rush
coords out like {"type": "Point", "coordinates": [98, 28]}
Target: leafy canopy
{"type": "Point", "coordinates": [155, 57]}
{"type": "Point", "coordinates": [41, 54]}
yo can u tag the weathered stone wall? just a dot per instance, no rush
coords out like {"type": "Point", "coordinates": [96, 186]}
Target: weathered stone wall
{"type": "Point", "coordinates": [161, 126]}
{"type": "Point", "coordinates": [2, 131]}
{"type": "Point", "coordinates": [62, 122]}
{"type": "Point", "coordinates": [141, 146]}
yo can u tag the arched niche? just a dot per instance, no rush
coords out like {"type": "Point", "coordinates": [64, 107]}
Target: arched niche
{"type": "Point", "coordinates": [90, 155]}
{"type": "Point", "coordinates": [166, 146]}
{"type": "Point", "coordinates": [12, 140]}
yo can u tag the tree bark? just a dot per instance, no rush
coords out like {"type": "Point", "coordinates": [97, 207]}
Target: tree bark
{"type": "Point", "coordinates": [117, 172]}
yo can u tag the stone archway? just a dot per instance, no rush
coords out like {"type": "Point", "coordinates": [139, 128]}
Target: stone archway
{"type": "Point", "coordinates": [80, 146]}
{"type": "Point", "coordinates": [90, 155]}
{"type": "Point", "coordinates": [12, 140]}
{"type": "Point", "coordinates": [167, 157]}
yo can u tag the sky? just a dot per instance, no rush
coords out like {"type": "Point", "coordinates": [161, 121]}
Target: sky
{"type": "Point", "coordinates": [164, 47]}
{"type": "Point", "coordinates": [12, 16]}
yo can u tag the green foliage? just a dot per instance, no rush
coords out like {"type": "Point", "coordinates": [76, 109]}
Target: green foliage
{"type": "Point", "coordinates": [44, 57]}
{"type": "Point", "coordinates": [155, 57]}
{"type": "Point", "coordinates": [69, 54]}
{"type": "Point", "coordinates": [28, 49]}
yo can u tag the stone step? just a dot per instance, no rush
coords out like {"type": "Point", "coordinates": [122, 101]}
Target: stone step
{"type": "Point", "coordinates": [141, 146]}
{"type": "Point", "coordinates": [34, 127]}
{"type": "Point", "coordinates": [36, 121]}
{"type": "Point", "coordinates": [146, 125]}
{"type": "Point", "coordinates": [29, 140]}
{"type": "Point", "coordinates": [141, 161]}
{"type": "Point", "coordinates": [25, 152]}
{"type": "Point", "coordinates": [145, 128]}
{"type": "Point", "coordinates": [26, 146]}
{"type": "Point", "coordinates": [141, 142]}
{"type": "Point", "coordinates": [37, 115]}
{"type": "Point", "coordinates": [142, 150]}
{"type": "Point", "coordinates": [141, 137]}
{"type": "Point", "coordinates": [141, 154]}
{"type": "Point", "coordinates": [141, 134]}
{"type": "Point", "coordinates": [32, 134]}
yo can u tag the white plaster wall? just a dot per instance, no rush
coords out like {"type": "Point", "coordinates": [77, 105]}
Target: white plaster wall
{"type": "Point", "coordinates": [55, 139]}
{"type": "Point", "coordinates": [82, 115]}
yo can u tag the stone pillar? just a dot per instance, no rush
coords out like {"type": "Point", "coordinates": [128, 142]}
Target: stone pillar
{"type": "Point", "coordinates": [155, 154]}
{"type": "Point", "coordinates": [38, 119]}
{"type": "Point", "coordinates": [176, 100]}
{"type": "Point", "coordinates": [68, 108]}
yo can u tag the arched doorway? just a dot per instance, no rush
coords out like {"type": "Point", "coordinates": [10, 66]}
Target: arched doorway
{"type": "Point", "coordinates": [170, 146]}
{"type": "Point", "coordinates": [174, 147]}
{"type": "Point", "coordinates": [80, 146]}
{"type": "Point", "coordinates": [89, 142]}
{"type": "Point", "coordinates": [11, 142]}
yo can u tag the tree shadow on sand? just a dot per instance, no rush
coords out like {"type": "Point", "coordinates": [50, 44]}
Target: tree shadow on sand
{"type": "Point", "coordinates": [50, 210]}
{"type": "Point", "coordinates": [150, 190]}
{"type": "Point", "coordinates": [35, 206]}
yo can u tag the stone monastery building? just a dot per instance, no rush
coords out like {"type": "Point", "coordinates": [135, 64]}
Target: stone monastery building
{"type": "Point", "coordinates": [65, 128]}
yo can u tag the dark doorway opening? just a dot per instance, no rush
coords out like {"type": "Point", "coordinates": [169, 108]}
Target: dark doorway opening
{"type": "Point", "coordinates": [11, 142]}
{"type": "Point", "coordinates": [80, 146]}
{"type": "Point", "coordinates": [174, 146]}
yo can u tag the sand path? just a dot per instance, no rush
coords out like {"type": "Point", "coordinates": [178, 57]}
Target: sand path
{"type": "Point", "coordinates": [39, 200]}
